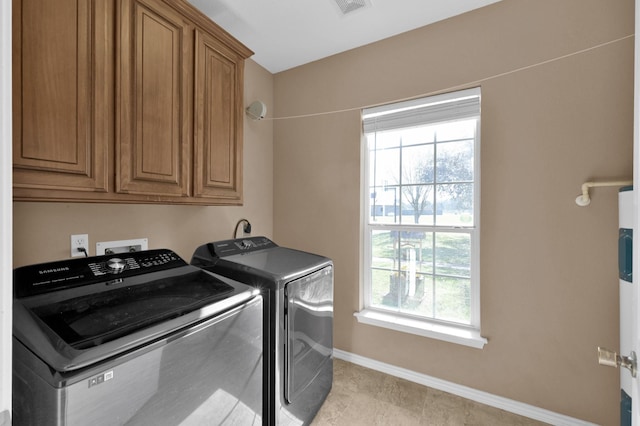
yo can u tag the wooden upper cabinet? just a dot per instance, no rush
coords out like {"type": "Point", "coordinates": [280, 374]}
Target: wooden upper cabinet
{"type": "Point", "coordinates": [125, 101]}
{"type": "Point", "coordinates": [218, 119]}
{"type": "Point", "coordinates": [62, 101]}
{"type": "Point", "coordinates": [153, 142]}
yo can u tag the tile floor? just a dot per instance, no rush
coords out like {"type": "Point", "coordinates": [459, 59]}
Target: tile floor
{"type": "Point", "coordinates": [361, 396]}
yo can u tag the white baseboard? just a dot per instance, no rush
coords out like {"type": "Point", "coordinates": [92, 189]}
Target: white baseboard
{"type": "Point", "coordinates": [485, 398]}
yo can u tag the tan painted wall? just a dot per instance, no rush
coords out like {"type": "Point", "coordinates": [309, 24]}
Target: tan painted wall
{"type": "Point", "coordinates": [41, 230]}
{"type": "Point", "coordinates": [548, 267]}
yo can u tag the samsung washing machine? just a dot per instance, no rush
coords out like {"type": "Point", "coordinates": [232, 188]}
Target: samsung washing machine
{"type": "Point", "coordinates": [139, 339]}
{"type": "Point", "coordinates": [298, 326]}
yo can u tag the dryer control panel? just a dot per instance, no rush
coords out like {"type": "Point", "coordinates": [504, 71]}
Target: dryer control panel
{"type": "Point", "coordinates": [241, 245]}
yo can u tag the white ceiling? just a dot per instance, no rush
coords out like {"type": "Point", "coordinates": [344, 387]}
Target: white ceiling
{"type": "Point", "coordinates": [287, 33]}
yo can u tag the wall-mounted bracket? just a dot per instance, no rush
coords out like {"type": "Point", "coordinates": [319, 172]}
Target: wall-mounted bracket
{"type": "Point", "coordinates": [584, 200]}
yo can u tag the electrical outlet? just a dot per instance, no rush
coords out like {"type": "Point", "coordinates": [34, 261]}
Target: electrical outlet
{"type": "Point", "coordinates": [77, 241]}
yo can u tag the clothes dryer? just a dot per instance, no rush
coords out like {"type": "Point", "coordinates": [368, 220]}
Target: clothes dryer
{"type": "Point", "coordinates": [298, 326]}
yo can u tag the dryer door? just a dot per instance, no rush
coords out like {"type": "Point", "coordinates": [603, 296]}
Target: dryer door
{"type": "Point", "coordinates": [309, 329]}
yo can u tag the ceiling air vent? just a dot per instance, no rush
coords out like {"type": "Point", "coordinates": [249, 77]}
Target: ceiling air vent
{"type": "Point", "coordinates": [347, 6]}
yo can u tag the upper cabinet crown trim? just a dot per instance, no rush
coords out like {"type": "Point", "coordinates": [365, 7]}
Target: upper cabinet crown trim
{"type": "Point", "coordinates": [216, 30]}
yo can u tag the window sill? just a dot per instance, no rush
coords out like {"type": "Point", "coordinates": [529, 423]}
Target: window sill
{"type": "Point", "coordinates": [448, 333]}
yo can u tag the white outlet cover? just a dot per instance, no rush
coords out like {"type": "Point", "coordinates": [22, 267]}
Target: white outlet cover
{"type": "Point", "coordinates": [79, 240]}
{"type": "Point", "coordinates": [121, 246]}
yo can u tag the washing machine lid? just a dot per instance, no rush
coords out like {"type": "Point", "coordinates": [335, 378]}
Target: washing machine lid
{"type": "Point", "coordinates": [73, 313]}
{"type": "Point", "coordinates": [85, 321]}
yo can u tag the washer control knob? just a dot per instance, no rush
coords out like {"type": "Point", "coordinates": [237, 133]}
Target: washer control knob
{"type": "Point", "coordinates": [115, 265]}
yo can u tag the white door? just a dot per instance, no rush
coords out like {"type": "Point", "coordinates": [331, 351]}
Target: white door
{"type": "Point", "coordinates": [628, 309]}
{"type": "Point", "coordinates": [633, 317]}
{"type": "Point", "coordinates": [626, 355]}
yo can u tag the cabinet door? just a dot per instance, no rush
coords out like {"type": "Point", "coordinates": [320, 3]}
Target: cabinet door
{"type": "Point", "coordinates": [218, 121]}
{"type": "Point", "coordinates": [62, 102]}
{"type": "Point", "coordinates": [153, 142]}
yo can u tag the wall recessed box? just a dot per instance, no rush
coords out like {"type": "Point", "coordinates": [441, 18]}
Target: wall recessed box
{"type": "Point", "coordinates": [122, 246]}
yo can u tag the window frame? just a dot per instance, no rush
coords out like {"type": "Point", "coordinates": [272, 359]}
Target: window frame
{"type": "Point", "coordinates": [468, 335]}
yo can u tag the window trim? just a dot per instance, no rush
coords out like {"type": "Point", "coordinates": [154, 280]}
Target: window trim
{"type": "Point", "coordinates": [467, 336]}
{"type": "Point", "coordinates": [427, 327]}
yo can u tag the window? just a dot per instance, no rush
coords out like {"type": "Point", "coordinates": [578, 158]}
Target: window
{"type": "Point", "coordinates": [421, 193]}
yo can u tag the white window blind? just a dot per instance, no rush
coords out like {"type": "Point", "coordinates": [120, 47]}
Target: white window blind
{"type": "Point", "coordinates": [438, 109]}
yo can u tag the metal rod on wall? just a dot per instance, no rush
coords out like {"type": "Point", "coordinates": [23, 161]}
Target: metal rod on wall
{"type": "Point", "coordinates": [583, 200]}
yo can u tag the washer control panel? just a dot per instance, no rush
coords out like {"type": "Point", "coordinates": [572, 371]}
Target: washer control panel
{"type": "Point", "coordinates": [46, 277]}
{"type": "Point", "coordinates": [148, 260]}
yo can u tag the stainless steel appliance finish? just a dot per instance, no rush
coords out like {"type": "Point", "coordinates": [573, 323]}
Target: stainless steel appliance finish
{"type": "Point", "coordinates": [142, 339]}
{"type": "Point", "coordinates": [298, 289]}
